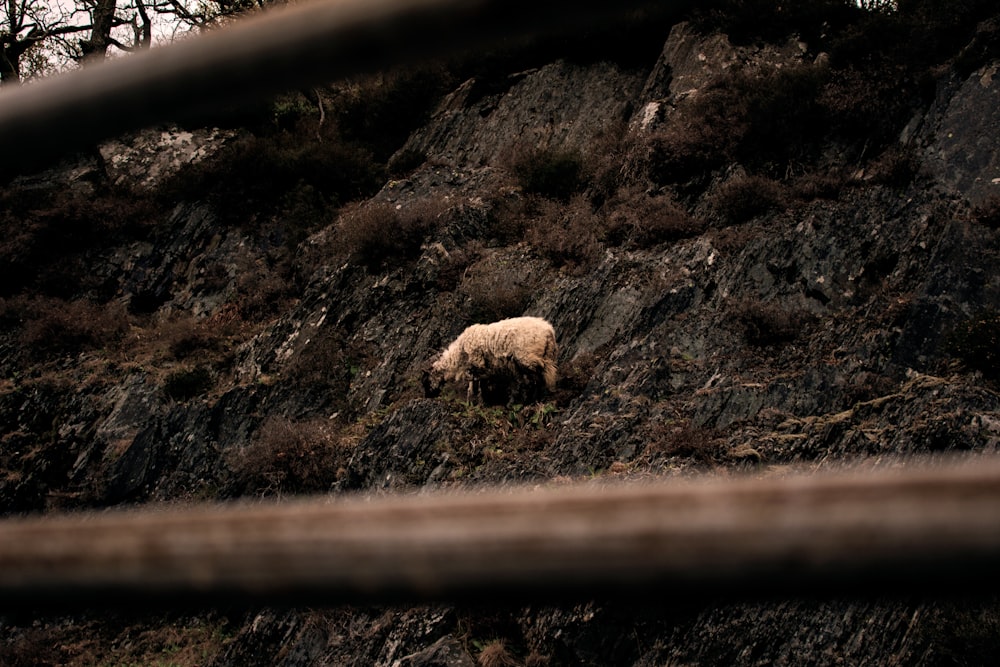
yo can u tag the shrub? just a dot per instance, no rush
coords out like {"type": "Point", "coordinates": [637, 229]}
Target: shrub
{"type": "Point", "coordinates": [51, 326]}
{"type": "Point", "coordinates": [381, 110]}
{"type": "Point", "coordinates": [744, 197]}
{"type": "Point", "coordinates": [644, 221]}
{"type": "Point", "coordinates": [750, 21]}
{"type": "Point", "coordinates": [551, 173]}
{"type": "Point", "coordinates": [692, 142]}
{"type": "Point", "coordinates": [283, 174]}
{"type": "Point", "coordinates": [609, 161]}
{"type": "Point", "coordinates": [187, 383]}
{"type": "Point", "coordinates": [373, 235]}
{"type": "Point", "coordinates": [763, 118]}
{"type": "Point", "coordinates": [496, 290]}
{"type": "Point", "coordinates": [286, 456]}
{"type": "Point", "coordinates": [326, 366]}
{"type": "Point", "coordinates": [185, 337]}
{"type": "Point", "coordinates": [261, 289]}
{"type": "Point", "coordinates": [574, 376]}
{"type": "Point", "coordinates": [30, 647]}
{"type": "Point", "coordinates": [567, 235]}
{"type": "Point", "coordinates": [976, 342]}
{"type": "Point", "coordinates": [46, 234]}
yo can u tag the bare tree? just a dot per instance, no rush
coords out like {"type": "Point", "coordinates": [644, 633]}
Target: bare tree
{"type": "Point", "coordinates": [25, 24]}
{"type": "Point", "coordinates": [61, 33]}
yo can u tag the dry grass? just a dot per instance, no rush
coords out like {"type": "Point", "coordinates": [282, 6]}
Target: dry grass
{"type": "Point", "coordinates": [495, 654]}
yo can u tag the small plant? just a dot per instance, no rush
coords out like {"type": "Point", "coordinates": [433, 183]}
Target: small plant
{"type": "Point", "coordinates": [495, 654]}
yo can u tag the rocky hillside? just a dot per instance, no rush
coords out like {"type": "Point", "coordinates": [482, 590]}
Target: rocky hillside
{"type": "Point", "coordinates": [772, 240]}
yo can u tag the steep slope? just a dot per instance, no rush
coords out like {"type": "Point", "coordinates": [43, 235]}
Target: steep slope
{"type": "Point", "coordinates": [746, 271]}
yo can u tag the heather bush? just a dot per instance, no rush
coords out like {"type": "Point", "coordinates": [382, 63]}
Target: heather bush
{"type": "Point", "coordinates": [745, 197]}
{"type": "Point", "coordinates": [46, 235]}
{"type": "Point", "coordinates": [50, 326]}
{"type": "Point", "coordinates": [566, 234]}
{"type": "Point", "coordinates": [574, 376]}
{"type": "Point", "coordinates": [765, 118]}
{"type": "Point", "coordinates": [376, 234]}
{"type": "Point", "coordinates": [752, 21]}
{"type": "Point", "coordinates": [495, 290]}
{"type": "Point", "coordinates": [291, 457]}
{"type": "Point", "coordinates": [692, 142]}
{"type": "Point", "coordinates": [405, 161]}
{"type": "Point", "coordinates": [380, 111]}
{"type": "Point", "coordinates": [325, 367]}
{"type": "Point", "coordinates": [896, 167]}
{"type": "Point", "coordinates": [643, 221]}
{"type": "Point", "coordinates": [30, 647]}
{"type": "Point", "coordinates": [609, 162]}
{"type": "Point", "coordinates": [249, 179]}
{"type": "Point", "coordinates": [819, 185]}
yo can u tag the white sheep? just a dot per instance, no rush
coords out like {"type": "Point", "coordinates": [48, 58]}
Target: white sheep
{"type": "Point", "coordinates": [496, 358]}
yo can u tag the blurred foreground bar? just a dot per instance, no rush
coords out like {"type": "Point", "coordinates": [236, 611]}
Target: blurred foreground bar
{"type": "Point", "coordinates": [917, 531]}
{"type": "Point", "coordinates": [298, 44]}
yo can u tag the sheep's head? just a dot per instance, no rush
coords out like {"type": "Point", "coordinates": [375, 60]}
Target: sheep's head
{"type": "Point", "coordinates": [431, 380]}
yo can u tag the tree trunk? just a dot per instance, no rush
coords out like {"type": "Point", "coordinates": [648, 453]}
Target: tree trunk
{"type": "Point", "coordinates": [95, 49]}
{"type": "Point", "coordinates": [10, 64]}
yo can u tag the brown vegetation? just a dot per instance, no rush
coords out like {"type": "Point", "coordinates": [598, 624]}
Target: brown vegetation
{"type": "Point", "coordinates": [289, 457]}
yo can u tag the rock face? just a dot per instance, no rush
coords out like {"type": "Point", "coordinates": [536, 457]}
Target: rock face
{"type": "Point", "coordinates": [560, 107]}
{"type": "Point", "coordinates": [817, 332]}
{"type": "Point", "coordinates": [961, 135]}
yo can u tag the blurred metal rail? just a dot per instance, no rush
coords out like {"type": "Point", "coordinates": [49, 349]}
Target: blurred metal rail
{"type": "Point", "coordinates": [307, 42]}
{"type": "Point", "coordinates": [917, 531]}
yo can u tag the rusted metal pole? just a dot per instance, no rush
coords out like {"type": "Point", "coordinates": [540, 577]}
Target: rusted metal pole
{"type": "Point", "coordinates": [919, 531]}
{"type": "Point", "coordinates": [303, 43]}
